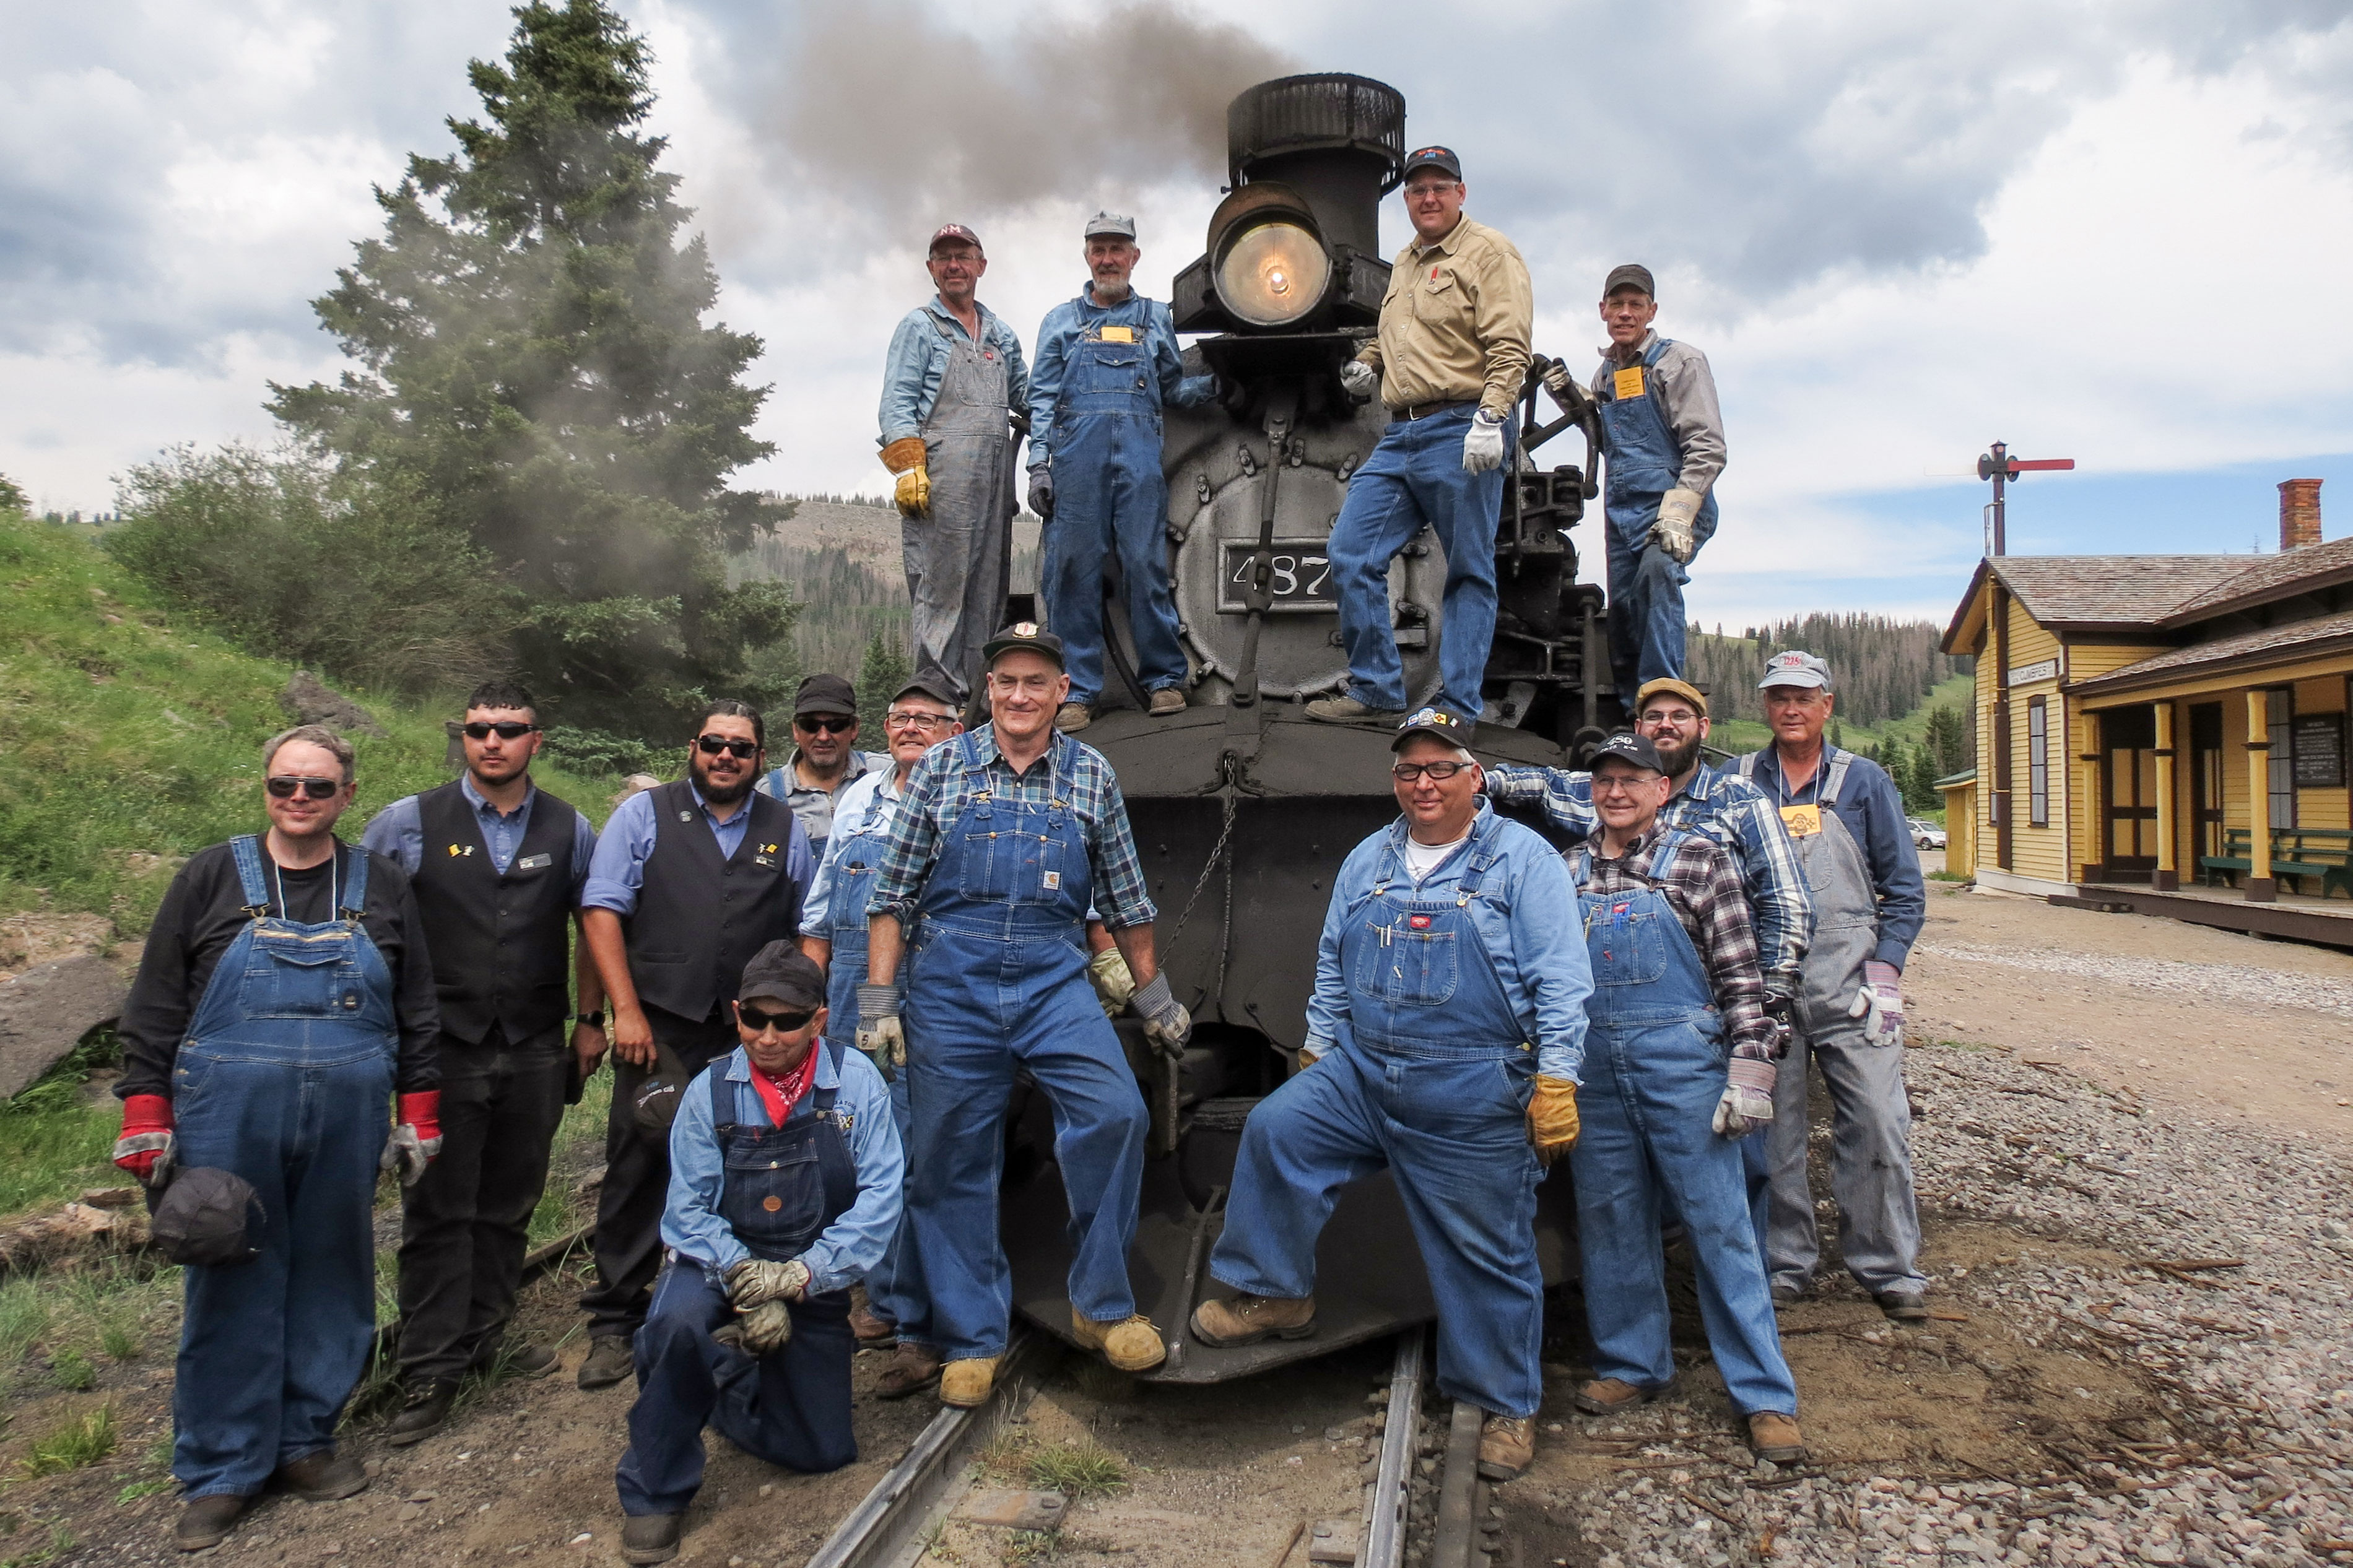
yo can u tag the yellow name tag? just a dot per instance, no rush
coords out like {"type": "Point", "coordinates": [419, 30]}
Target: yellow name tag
{"type": "Point", "coordinates": [1802, 821]}
{"type": "Point", "coordinates": [1119, 334]}
{"type": "Point", "coordinates": [1627, 382]}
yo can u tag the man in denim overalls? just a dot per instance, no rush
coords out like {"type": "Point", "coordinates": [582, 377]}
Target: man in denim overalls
{"type": "Point", "coordinates": [783, 1188]}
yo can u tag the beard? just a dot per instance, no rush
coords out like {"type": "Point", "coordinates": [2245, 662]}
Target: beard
{"type": "Point", "coordinates": [1679, 759]}
{"type": "Point", "coordinates": [723, 794]}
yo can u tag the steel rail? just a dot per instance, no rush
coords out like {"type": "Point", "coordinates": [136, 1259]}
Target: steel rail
{"type": "Point", "coordinates": [1392, 1493]}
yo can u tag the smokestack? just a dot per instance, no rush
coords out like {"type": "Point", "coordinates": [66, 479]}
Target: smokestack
{"type": "Point", "coordinates": [2299, 513]}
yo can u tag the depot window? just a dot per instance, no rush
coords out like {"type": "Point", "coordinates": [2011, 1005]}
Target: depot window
{"type": "Point", "coordinates": [2038, 763]}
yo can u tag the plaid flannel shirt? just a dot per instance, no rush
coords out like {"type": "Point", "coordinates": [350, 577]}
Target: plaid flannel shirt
{"type": "Point", "coordinates": [941, 787]}
{"type": "Point", "coordinates": [1702, 886]}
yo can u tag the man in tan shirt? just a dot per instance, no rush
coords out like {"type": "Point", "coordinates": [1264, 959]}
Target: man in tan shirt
{"type": "Point", "coordinates": [1449, 361]}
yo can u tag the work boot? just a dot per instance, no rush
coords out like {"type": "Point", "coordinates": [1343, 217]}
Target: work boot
{"type": "Point", "coordinates": [528, 1359]}
{"type": "Point", "coordinates": [1786, 1295]}
{"type": "Point", "coordinates": [610, 1359]}
{"type": "Point", "coordinates": [1607, 1395]}
{"type": "Point", "coordinates": [1348, 710]}
{"type": "Point", "coordinates": [913, 1368]}
{"type": "Point", "coordinates": [1507, 1445]}
{"type": "Point", "coordinates": [1166, 700]}
{"type": "Point", "coordinates": [965, 1384]}
{"type": "Point", "coordinates": [425, 1412]}
{"type": "Point", "coordinates": [1903, 1306]}
{"type": "Point", "coordinates": [207, 1520]}
{"type": "Point", "coordinates": [322, 1477]}
{"type": "Point", "coordinates": [1073, 717]}
{"type": "Point", "coordinates": [1775, 1440]}
{"type": "Point", "coordinates": [1247, 1319]}
{"type": "Point", "coordinates": [650, 1537]}
{"type": "Point", "coordinates": [864, 1325]}
{"type": "Point", "coordinates": [1129, 1344]}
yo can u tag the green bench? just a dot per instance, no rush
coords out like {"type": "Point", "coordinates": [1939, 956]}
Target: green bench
{"type": "Point", "coordinates": [2297, 853]}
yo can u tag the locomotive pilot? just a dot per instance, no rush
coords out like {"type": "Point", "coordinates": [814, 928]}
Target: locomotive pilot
{"type": "Point", "coordinates": [1003, 837]}
{"type": "Point", "coordinates": [1444, 1040]}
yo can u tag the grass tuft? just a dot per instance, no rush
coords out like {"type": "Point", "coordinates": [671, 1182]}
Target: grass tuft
{"type": "Point", "coordinates": [1077, 1470]}
{"type": "Point", "coordinates": [147, 1488]}
{"type": "Point", "coordinates": [70, 1447]}
{"type": "Point", "coordinates": [61, 1540]}
{"type": "Point", "coordinates": [69, 1369]}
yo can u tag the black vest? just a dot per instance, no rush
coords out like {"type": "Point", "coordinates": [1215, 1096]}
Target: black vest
{"type": "Point", "coordinates": [502, 949]}
{"type": "Point", "coordinates": [700, 918]}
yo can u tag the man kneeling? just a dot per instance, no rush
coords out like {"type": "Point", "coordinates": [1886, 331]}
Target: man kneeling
{"type": "Point", "coordinates": [783, 1188]}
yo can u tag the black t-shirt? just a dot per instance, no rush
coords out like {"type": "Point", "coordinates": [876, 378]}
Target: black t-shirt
{"type": "Point", "coordinates": [203, 913]}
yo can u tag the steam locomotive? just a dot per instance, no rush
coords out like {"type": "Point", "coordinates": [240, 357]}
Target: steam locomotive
{"type": "Point", "coordinates": [1242, 809]}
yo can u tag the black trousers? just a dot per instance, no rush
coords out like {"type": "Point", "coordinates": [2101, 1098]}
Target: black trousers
{"type": "Point", "coordinates": [637, 1178]}
{"type": "Point", "coordinates": [465, 1226]}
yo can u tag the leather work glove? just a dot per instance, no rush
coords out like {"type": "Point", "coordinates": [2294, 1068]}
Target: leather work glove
{"type": "Point", "coordinates": [1041, 492]}
{"type": "Point", "coordinates": [1483, 447]}
{"type": "Point", "coordinates": [1314, 1051]}
{"type": "Point", "coordinates": [1879, 1003]}
{"type": "Point", "coordinates": [762, 1330]}
{"type": "Point", "coordinates": [416, 1138]}
{"type": "Point", "coordinates": [1359, 380]}
{"type": "Point", "coordinates": [1552, 1119]}
{"type": "Point", "coordinates": [1114, 986]}
{"type": "Point", "coordinates": [759, 1280]}
{"type": "Point", "coordinates": [1165, 1023]}
{"type": "Point", "coordinates": [905, 458]}
{"type": "Point", "coordinates": [1678, 510]}
{"type": "Point", "coordinates": [880, 1035]}
{"type": "Point", "coordinates": [145, 1147]}
{"type": "Point", "coordinates": [1747, 1102]}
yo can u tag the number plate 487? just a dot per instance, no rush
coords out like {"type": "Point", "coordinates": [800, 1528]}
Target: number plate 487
{"type": "Point", "coordinates": [1298, 576]}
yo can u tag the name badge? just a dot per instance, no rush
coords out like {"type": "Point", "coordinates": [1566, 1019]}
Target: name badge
{"type": "Point", "coordinates": [535, 862]}
{"type": "Point", "coordinates": [1627, 382]}
{"type": "Point", "coordinates": [1119, 334]}
{"type": "Point", "coordinates": [762, 860]}
{"type": "Point", "coordinates": [1802, 821]}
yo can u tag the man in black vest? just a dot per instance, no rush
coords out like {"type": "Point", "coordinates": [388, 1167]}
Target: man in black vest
{"type": "Point", "coordinates": [498, 866]}
{"type": "Point", "coordinates": [690, 879]}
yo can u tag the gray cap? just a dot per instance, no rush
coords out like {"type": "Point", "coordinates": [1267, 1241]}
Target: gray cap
{"type": "Point", "coordinates": [1795, 668]}
{"type": "Point", "coordinates": [1105, 223]}
{"type": "Point", "coordinates": [1632, 274]}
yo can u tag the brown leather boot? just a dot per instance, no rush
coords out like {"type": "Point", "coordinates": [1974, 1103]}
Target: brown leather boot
{"type": "Point", "coordinates": [966, 1383]}
{"type": "Point", "coordinates": [1776, 1439]}
{"type": "Point", "coordinates": [911, 1369]}
{"type": "Point", "coordinates": [205, 1521]}
{"type": "Point", "coordinates": [864, 1325]}
{"type": "Point", "coordinates": [1507, 1445]}
{"type": "Point", "coordinates": [1607, 1395]}
{"type": "Point", "coordinates": [1129, 1344]}
{"type": "Point", "coordinates": [1246, 1319]}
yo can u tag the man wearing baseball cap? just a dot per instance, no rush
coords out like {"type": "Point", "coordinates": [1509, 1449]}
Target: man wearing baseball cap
{"type": "Point", "coordinates": [1846, 817]}
{"type": "Point", "coordinates": [1444, 1042]}
{"type": "Point", "coordinates": [1448, 361]}
{"type": "Point", "coordinates": [1003, 839]}
{"type": "Point", "coordinates": [1107, 363]}
{"type": "Point", "coordinates": [1675, 988]}
{"type": "Point", "coordinates": [954, 388]}
{"type": "Point", "coordinates": [1663, 433]}
{"type": "Point", "coordinates": [786, 1171]}
{"type": "Point", "coordinates": [825, 759]}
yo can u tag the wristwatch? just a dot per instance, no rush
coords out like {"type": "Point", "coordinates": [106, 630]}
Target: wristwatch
{"type": "Point", "coordinates": [594, 1020]}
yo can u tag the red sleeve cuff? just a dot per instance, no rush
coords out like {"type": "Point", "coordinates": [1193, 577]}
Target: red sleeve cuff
{"type": "Point", "coordinates": [146, 1113]}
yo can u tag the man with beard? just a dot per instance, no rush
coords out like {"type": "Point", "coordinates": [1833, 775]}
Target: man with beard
{"type": "Point", "coordinates": [690, 880]}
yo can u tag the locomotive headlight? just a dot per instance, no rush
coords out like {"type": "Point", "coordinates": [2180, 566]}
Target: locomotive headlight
{"type": "Point", "coordinates": [1273, 274]}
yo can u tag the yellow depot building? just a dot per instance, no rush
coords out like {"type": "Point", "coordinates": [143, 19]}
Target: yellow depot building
{"type": "Point", "coordinates": [2166, 733]}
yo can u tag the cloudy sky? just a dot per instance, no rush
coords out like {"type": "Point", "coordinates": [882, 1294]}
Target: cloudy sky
{"type": "Point", "coordinates": [2120, 233]}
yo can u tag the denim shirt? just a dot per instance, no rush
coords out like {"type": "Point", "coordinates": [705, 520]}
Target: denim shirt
{"type": "Point", "coordinates": [1525, 912]}
{"type": "Point", "coordinates": [1068, 322]}
{"type": "Point", "coordinates": [397, 832]}
{"type": "Point", "coordinates": [618, 869]}
{"type": "Point", "coordinates": [851, 1245]}
{"type": "Point", "coordinates": [918, 362]}
{"type": "Point", "coordinates": [1873, 810]}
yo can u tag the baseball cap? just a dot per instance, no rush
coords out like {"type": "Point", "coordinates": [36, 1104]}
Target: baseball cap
{"type": "Point", "coordinates": [1105, 223]}
{"type": "Point", "coordinates": [1669, 684]}
{"type": "Point", "coordinates": [1632, 274]}
{"type": "Point", "coordinates": [824, 694]}
{"type": "Point", "coordinates": [1021, 635]}
{"type": "Point", "coordinates": [208, 1217]}
{"type": "Point", "coordinates": [1432, 158]}
{"type": "Point", "coordinates": [1450, 728]}
{"type": "Point", "coordinates": [947, 232]}
{"type": "Point", "coordinates": [921, 687]}
{"type": "Point", "coordinates": [781, 973]}
{"type": "Point", "coordinates": [1629, 748]}
{"type": "Point", "coordinates": [1795, 668]}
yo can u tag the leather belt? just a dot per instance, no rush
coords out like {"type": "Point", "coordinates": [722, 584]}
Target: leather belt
{"type": "Point", "coordinates": [1424, 410]}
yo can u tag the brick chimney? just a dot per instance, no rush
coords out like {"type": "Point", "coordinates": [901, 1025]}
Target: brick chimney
{"type": "Point", "coordinates": [2299, 513]}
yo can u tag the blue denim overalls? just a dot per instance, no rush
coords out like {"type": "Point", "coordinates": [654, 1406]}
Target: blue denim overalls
{"type": "Point", "coordinates": [1646, 585]}
{"type": "Point", "coordinates": [1655, 1067]}
{"type": "Point", "coordinates": [999, 985]}
{"type": "Point", "coordinates": [286, 1078]}
{"type": "Point", "coordinates": [1110, 495]}
{"type": "Point", "coordinates": [783, 1186]}
{"type": "Point", "coordinates": [1431, 1079]}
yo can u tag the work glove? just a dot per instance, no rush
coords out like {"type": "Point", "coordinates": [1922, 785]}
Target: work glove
{"type": "Point", "coordinates": [1678, 510]}
{"type": "Point", "coordinates": [1482, 446]}
{"type": "Point", "coordinates": [1879, 1003]}
{"type": "Point", "coordinates": [1114, 986]}
{"type": "Point", "coordinates": [1747, 1102]}
{"type": "Point", "coordinates": [762, 1330]}
{"type": "Point", "coordinates": [905, 458]}
{"type": "Point", "coordinates": [415, 1139]}
{"type": "Point", "coordinates": [1041, 492]}
{"type": "Point", "coordinates": [1552, 1119]}
{"type": "Point", "coordinates": [1165, 1023]}
{"type": "Point", "coordinates": [1359, 380]}
{"type": "Point", "coordinates": [880, 1034]}
{"type": "Point", "coordinates": [145, 1147]}
{"type": "Point", "coordinates": [758, 1280]}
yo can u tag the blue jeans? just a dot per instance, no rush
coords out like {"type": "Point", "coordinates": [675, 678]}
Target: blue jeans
{"type": "Point", "coordinates": [1451, 1130]}
{"type": "Point", "coordinates": [1110, 497]}
{"type": "Point", "coordinates": [1647, 1148]}
{"type": "Point", "coordinates": [791, 1408]}
{"type": "Point", "coordinates": [1415, 477]}
{"type": "Point", "coordinates": [894, 1286]}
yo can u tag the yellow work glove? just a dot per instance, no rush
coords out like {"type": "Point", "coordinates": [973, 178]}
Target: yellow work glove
{"type": "Point", "coordinates": [904, 458]}
{"type": "Point", "coordinates": [1552, 1119]}
{"type": "Point", "coordinates": [1107, 973]}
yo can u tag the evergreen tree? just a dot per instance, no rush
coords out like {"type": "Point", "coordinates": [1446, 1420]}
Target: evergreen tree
{"type": "Point", "coordinates": [881, 674]}
{"type": "Point", "coordinates": [532, 359]}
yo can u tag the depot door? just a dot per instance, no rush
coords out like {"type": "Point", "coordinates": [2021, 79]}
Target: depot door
{"type": "Point", "coordinates": [2205, 781]}
{"type": "Point", "coordinates": [2128, 791]}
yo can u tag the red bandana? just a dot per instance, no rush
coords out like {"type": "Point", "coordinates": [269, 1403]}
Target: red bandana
{"type": "Point", "coordinates": [781, 1094]}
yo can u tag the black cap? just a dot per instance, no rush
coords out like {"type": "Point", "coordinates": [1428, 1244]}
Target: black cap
{"type": "Point", "coordinates": [920, 687]}
{"type": "Point", "coordinates": [826, 694]}
{"type": "Point", "coordinates": [1432, 158]}
{"type": "Point", "coordinates": [1021, 635]}
{"type": "Point", "coordinates": [1628, 748]}
{"type": "Point", "coordinates": [1632, 274]}
{"type": "Point", "coordinates": [208, 1217]}
{"type": "Point", "coordinates": [782, 973]}
{"type": "Point", "coordinates": [1450, 728]}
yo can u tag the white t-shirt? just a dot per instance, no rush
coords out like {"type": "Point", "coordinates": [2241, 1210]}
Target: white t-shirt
{"type": "Point", "coordinates": [1421, 860]}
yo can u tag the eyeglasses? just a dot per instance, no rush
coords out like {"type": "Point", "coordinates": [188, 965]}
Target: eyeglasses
{"type": "Point", "coordinates": [913, 721]}
{"type": "Point", "coordinates": [828, 724]}
{"type": "Point", "coordinates": [1411, 772]}
{"type": "Point", "coordinates": [505, 730]}
{"type": "Point", "coordinates": [1622, 784]}
{"type": "Point", "coordinates": [317, 789]}
{"type": "Point", "coordinates": [712, 746]}
{"type": "Point", "coordinates": [1434, 188]}
{"type": "Point", "coordinates": [760, 1023]}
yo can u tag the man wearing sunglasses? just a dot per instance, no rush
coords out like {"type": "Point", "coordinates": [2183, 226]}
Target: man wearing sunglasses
{"type": "Point", "coordinates": [283, 1008]}
{"type": "Point", "coordinates": [497, 865]}
{"type": "Point", "coordinates": [1444, 1039]}
{"type": "Point", "coordinates": [689, 879]}
{"type": "Point", "coordinates": [825, 760]}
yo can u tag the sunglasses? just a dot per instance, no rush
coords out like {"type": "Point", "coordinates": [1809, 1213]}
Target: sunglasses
{"type": "Point", "coordinates": [1411, 772]}
{"type": "Point", "coordinates": [317, 789]}
{"type": "Point", "coordinates": [712, 746]}
{"type": "Point", "coordinates": [825, 724]}
{"type": "Point", "coordinates": [760, 1022]}
{"type": "Point", "coordinates": [505, 730]}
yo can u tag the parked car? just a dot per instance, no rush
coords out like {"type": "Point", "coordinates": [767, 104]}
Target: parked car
{"type": "Point", "coordinates": [1925, 834]}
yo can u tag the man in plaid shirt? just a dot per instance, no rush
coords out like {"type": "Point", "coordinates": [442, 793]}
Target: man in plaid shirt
{"type": "Point", "coordinates": [1679, 1066]}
